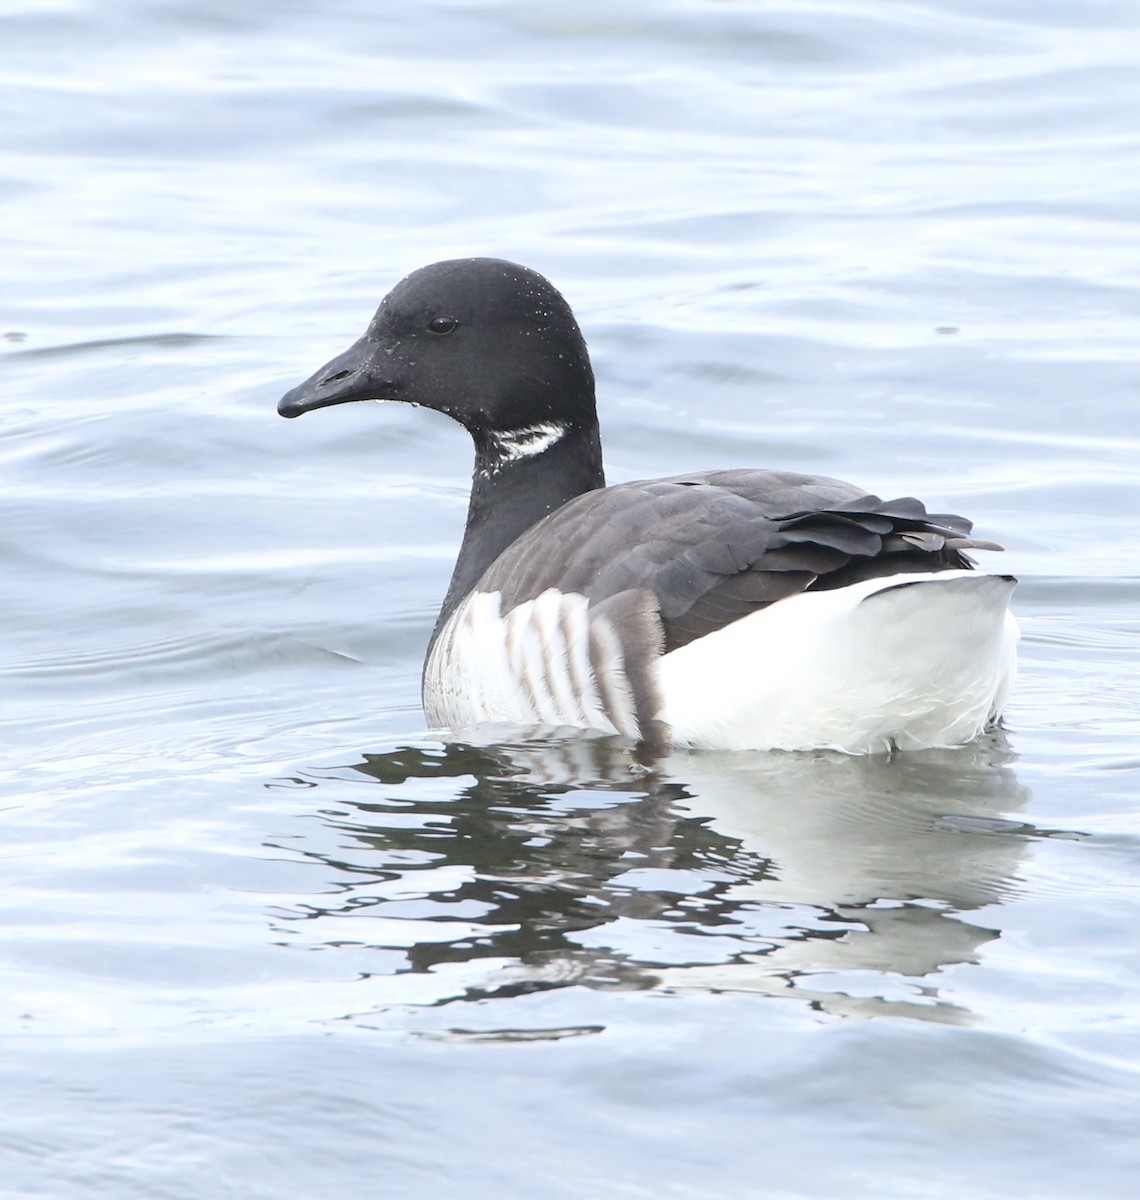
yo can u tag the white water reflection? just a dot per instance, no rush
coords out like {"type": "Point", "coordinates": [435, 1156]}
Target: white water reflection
{"type": "Point", "coordinates": [845, 883]}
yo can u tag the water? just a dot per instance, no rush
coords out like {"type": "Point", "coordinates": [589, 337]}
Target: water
{"type": "Point", "coordinates": [264, 936]}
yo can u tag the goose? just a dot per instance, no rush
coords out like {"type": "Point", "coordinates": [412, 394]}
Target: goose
{"type": "Point", "coordinates": [738, 609]}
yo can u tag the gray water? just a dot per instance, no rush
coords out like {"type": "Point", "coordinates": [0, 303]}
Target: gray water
{"type": "Point", "coordinates": [263, 935]}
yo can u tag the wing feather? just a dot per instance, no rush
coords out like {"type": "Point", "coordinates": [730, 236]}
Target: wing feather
{"type": "Point", "coordinates": [694, 553]}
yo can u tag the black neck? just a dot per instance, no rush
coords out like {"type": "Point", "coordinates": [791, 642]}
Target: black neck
{"type": "Point", "coordinates": [507, 498]}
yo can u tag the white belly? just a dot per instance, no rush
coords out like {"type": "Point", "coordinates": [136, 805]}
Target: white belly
{"type": "Point", "coordinates": [869, 667]}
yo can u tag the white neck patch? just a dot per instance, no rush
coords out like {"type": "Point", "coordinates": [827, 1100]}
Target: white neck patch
{"type": "Point", "coordinates": [517, 444]}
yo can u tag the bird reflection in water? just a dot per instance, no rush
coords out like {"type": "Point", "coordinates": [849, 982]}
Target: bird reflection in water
{"type": "Point", "coordinates": [501, 869]}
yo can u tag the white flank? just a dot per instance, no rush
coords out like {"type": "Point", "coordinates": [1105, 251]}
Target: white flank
{"type": "Point", "coordinates": [864, 668]}
{"type": "Point", "coordinates": [529, 667]}
{"type": "Point", "coordinates": [528, 441]}
{"type": "Point", "coordinates": [871, 667]}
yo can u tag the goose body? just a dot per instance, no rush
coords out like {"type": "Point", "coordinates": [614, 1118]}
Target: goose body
{"type": "Point", "coordinates": [739, 609]}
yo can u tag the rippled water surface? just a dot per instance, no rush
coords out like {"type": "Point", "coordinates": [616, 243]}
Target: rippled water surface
{"type": "Point", "coordinates": [263, 935]}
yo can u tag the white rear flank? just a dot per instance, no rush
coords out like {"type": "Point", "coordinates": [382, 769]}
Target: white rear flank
{"type": "Point", "coordinates": [905, 662]}
{"type": "Point", "coordinates": [865, 668]}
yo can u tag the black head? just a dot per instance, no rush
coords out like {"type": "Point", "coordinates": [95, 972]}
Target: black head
{"type": "Point", "coordinates": [489, 343]}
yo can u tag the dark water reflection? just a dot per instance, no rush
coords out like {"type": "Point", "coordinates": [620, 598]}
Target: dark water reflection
{"type": "Point", "coordinates": [845, 883]}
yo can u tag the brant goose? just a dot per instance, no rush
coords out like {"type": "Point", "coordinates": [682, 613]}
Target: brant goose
{"type": "Point", "coordinates": [732, 609]}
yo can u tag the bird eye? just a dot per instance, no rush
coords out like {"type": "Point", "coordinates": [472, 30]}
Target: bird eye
{"type": "Point", "coordinates": [442, 324]}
